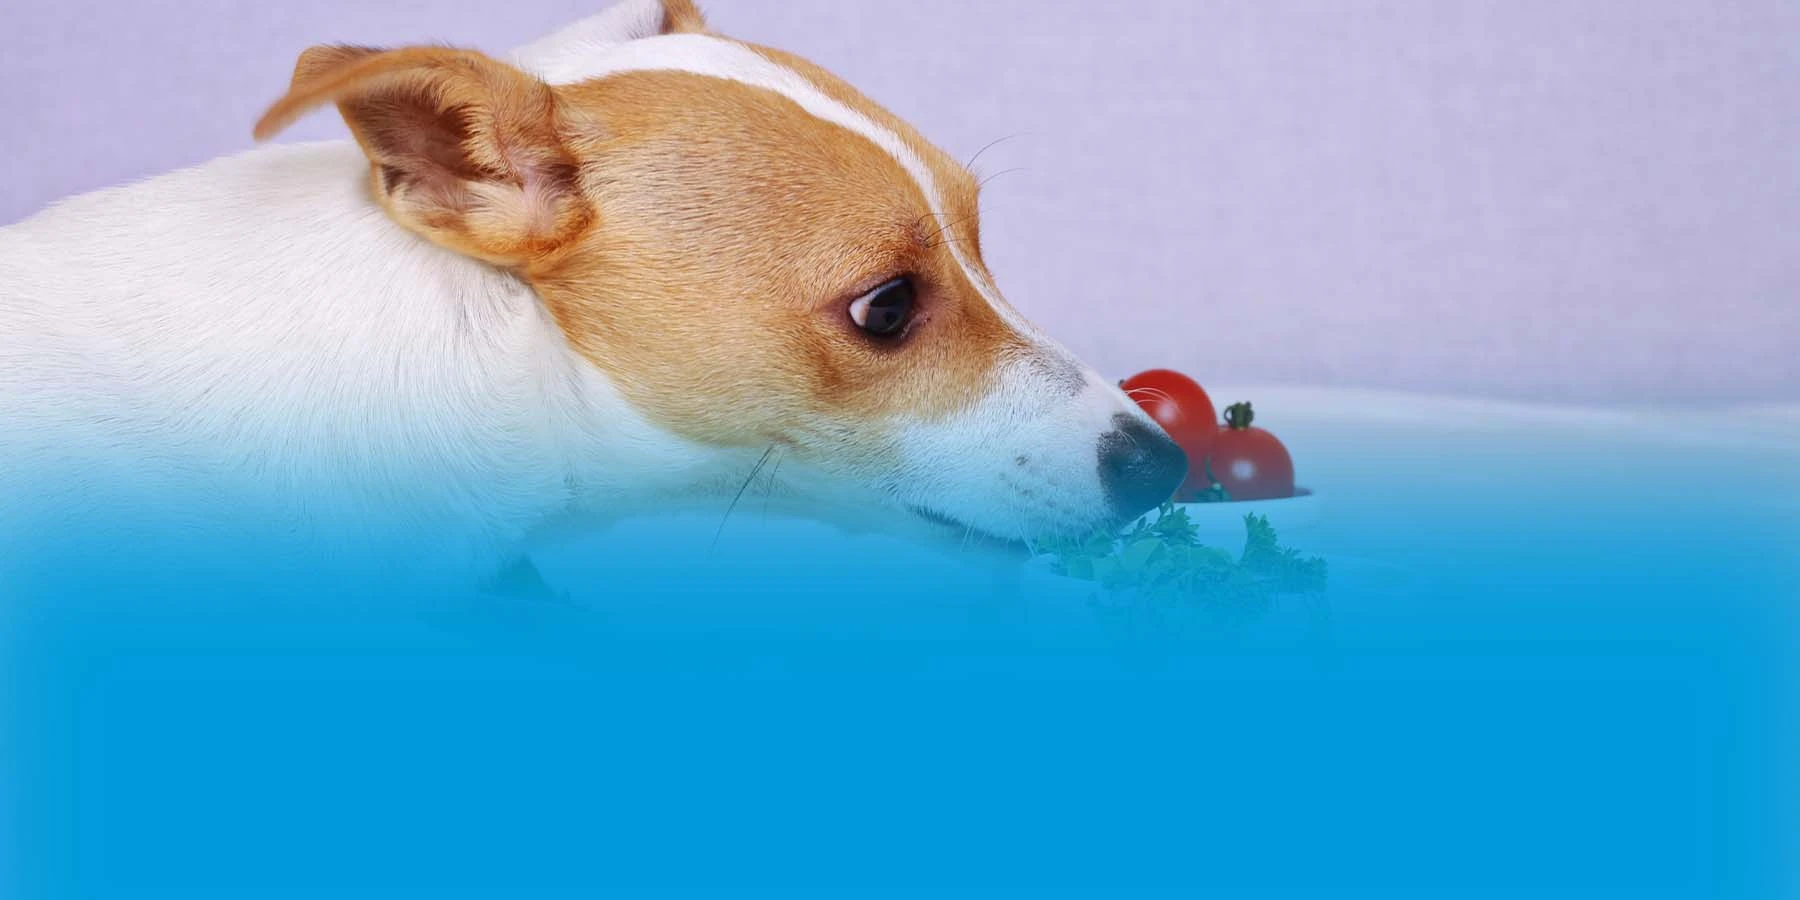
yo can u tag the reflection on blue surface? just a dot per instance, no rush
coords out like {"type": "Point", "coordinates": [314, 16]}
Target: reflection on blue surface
{"type": "Point", "coordinates": [1517, 686]}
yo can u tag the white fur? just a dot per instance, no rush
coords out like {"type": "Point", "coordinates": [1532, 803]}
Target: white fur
{"type": "Point", "coordinates": [189, 331]}
{"type": "Point", "coordinates": [560, 57]}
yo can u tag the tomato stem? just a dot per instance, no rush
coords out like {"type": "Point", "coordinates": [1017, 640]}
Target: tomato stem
{"type": "Point", "coordinates": [1238, 416]}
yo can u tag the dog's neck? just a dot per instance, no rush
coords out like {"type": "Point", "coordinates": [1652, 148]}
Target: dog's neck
{"type": "Point", "coordinates": [612, 461]}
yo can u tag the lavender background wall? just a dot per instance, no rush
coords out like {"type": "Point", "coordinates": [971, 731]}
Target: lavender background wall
{"type": "Point", "coordinates": [1588, 200]}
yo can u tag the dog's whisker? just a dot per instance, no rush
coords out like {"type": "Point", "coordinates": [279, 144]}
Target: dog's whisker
{"type": "Point", "coordinates": [754, 470]}
{"type": "Point", "coordinates": [952, 224]}
{"type": "Point", "coordinates": [932, 238]}
{"type": "Point", "coordinates": [769, 484]}
{"type": "Point", "coordinates": [1152, 393]}
{"type": "Point", "coordinates": [930, 215]}
{"type": "Point", "coordinates": [984, 181]}
{"type": "Point", "coordinates": [970, 165]}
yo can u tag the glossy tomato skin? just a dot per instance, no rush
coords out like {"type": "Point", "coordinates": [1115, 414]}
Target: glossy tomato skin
{"type": "Point", "coordinates": [1179, 405]}
{"type": "Point", "coordinates": [1249, 462]}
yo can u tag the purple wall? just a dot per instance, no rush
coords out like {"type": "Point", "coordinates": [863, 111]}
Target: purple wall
{"type": "Point", "coordinates": [1593, 200]}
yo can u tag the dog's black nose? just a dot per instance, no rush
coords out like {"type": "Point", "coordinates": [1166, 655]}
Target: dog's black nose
{"type": "Point", "coordinates": [1140, 466]}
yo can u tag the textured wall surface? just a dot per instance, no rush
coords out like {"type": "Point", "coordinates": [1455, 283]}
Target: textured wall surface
{"type": "Point", "coordinates": [1591, 200]}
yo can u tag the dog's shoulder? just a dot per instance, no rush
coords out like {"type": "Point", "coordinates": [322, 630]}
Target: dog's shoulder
{"type": "Point", "coordinates": [256, 328]}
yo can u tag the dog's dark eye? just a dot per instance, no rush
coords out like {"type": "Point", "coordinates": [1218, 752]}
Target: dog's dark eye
{"type": "Point", "coordinates": [884, 311]}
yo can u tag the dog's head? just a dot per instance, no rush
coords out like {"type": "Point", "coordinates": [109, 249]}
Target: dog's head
{"type": "Point", "coordinates": [754, 254]}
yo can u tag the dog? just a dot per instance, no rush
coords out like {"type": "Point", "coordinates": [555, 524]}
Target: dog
{"type": "Point", "coordinates": [621, 271]}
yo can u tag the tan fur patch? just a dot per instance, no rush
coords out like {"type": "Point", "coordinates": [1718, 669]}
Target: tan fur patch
{"type": "Point", "coordinates": [735, 230]}
{"type": "Point", "coordinates": [960, 193]}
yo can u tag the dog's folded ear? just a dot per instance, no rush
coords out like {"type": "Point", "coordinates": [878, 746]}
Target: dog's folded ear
{"type": "Point", "coordinates": [464, 149]}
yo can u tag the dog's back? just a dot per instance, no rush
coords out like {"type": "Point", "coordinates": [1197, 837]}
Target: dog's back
{"type": "Point", "coordinates": [251, 343]}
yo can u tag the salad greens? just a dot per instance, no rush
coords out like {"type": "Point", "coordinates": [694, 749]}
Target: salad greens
{"type": "Point", "coordinates": [1160, 560]}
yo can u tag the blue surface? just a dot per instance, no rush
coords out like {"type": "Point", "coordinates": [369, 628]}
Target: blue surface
{"type": "Point", "coordinates": [1528, 685]}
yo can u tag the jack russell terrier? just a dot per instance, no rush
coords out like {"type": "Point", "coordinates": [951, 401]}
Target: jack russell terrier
{"type": "Point", "coordinates": [613, 274]}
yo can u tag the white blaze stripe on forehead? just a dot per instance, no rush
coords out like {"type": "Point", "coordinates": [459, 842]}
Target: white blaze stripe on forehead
{"type": "Point", "coordinates": [716, 58]}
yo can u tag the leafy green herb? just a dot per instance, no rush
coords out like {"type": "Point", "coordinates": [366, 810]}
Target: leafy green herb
{"type": "Point", "coordinates": [1160, 561]}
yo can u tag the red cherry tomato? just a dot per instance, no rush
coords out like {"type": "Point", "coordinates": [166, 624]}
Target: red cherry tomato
{"type": "Point", "coordinates": [1249, 463]}
{"type": "Point", "coordinates": [1179, 405]}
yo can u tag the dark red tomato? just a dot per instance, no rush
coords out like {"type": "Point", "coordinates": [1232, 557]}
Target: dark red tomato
{"type": "Point", "coordinates": [1179, 405]}
{"type": "Point", "coordinates": [1249, 463]}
